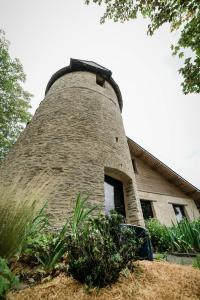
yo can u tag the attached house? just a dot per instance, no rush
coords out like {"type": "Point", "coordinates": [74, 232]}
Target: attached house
{"type": "Point", "coordinates": [163, 194]}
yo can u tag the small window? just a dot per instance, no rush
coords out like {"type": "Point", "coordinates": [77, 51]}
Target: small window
{"type": "Point", "coordinates": [179, 212]}
{"type": "Point", "coordinates": [100, 80]}
{"type": "Point", "coordinates": [114, 195]}
{"type": "Point", "coordinates": [134, 166]}
{"type": "Point", "coordinates": [147, 209]}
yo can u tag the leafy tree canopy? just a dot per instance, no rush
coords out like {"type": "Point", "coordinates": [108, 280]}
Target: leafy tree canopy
{"type": "Point", "coordinates": [14, 101]}
{"type": "Point", "coordinates": [183, 15]}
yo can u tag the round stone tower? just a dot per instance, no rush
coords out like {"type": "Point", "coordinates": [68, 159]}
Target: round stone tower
{"type": "Point", "coordinates": [77, 137]}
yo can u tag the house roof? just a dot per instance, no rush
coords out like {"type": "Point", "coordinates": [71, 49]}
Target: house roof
{"type": "Point", "coordinates": [171, 176]}
{"type": "Point", "coordinates": [85, 65]}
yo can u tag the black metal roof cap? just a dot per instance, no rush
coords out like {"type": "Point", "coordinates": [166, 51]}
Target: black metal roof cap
{"type": "Point", "coordinates": [84, 65]}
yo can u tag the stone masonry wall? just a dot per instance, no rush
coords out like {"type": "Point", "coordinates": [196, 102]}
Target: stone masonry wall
{"type": "Point", "coordinates": [76, 133]}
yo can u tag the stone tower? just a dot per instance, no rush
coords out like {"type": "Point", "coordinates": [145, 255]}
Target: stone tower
{"type": "Point", "coordinates": [77, 136]}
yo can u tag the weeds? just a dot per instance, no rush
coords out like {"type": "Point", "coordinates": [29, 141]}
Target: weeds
{"type": "Point", "coordinates": [7, 279]}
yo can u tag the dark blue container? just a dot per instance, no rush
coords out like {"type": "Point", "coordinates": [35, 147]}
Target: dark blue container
{"type": "Point", "coordinates": [145, 250]}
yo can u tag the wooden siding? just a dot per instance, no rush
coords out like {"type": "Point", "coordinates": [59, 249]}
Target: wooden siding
{"type": "Point", "coordinates": [149, 180]}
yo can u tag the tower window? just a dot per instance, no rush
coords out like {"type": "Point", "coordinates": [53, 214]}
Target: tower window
{"type": "Point", "coordinates": [147, 209]}
{"type": "Point", "coordinates": [100, 80]}
{"type": "Point", "coordinates": [114, 195]}
{"type": "Point", "coordinates": [134, 166]}
{"type": "Point", "coordinates": [179, 212]}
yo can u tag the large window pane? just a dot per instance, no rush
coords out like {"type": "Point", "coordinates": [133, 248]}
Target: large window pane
{"type": "Point", "coordinates": [114, 195]}
{"type": "Point", "coordinates": [109, 197]}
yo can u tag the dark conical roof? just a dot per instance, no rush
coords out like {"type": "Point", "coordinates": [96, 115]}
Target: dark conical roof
{"type": "Point", "coordinates": [90, 66]}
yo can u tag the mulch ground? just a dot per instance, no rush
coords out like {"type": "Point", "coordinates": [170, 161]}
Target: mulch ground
{"type": "Point", "coordinates": [151, 281]}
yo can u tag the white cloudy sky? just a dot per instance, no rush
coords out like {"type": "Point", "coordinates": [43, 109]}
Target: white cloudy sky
{"type": "Point", "coordinates": [44, 34]}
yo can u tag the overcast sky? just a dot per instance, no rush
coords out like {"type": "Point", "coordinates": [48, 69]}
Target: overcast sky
{"type": "Point", "coordinates": [45, 34]}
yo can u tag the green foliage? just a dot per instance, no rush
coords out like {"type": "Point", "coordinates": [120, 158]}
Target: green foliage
{"type": "Point", "coordinates": [159, 235]}
{"type": "Point", "coordinates": [7, 279]}
{"type": "Point", "coordinates": [183, 16]}
{"type": "Point", "coordinates": [13, 228]}
{"type": "Point", "coordinates": [183, 237]}
{"type": "Point", "coordinates": [18, 206]}
{"type": "Point", "coordinates": [48, 248]}
{"type": "Point", "coordinates": [81, 213]}
{"type": "Point", "coordinates": [36, 246]}
{"type": "Point", "coordinates": [97, 254]}
{"type": "Point", "coordinates": [52, 249]}
{"type": "Point", "coordinates": [196, 263]}
{"type": "Point", "coordinates": [160, 256]}
{"type": "Point", "coordinates": [14, 101]}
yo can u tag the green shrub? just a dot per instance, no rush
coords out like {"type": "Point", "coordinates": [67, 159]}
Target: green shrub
{"type": "Point", "coordinates": [97, 254]}
{"type": "Point", "coordinates": [7, 279]}
{"type": "Point", "coordinates": [159, 235]}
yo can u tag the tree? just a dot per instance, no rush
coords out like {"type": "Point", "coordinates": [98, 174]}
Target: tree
{"type": "Point", "coordinates": [182, 15]}
{"type": "Point", "coordinates": [14, 101]}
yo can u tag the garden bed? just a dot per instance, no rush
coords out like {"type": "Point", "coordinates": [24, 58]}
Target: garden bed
{"type": "Point", "coordinates": [153, 280]}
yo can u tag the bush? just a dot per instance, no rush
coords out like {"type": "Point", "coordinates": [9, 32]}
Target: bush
{"type": "Point", "coordinates": [159, 235]}
{"type": "Point", "coordinates": [183, 237]}
{"type": "Point", "coordinates": [96, 253]}
{"type": "Point", "coordinates": [7, 279]}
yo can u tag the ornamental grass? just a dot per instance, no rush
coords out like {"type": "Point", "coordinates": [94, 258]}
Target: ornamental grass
{"type": "Point", "coordinates": [18, 205]}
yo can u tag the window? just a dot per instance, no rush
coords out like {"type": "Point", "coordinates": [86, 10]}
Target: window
{"type": "Point", "coordinates": [114, 195]}
{"type": "Point", "coordinates": [100, 80]}
{"type": "Point", "coordinates": [134, 166]}
{"type": "Point", "coordinates": [179, 212]}
{"type": "Point", "coordinates": [146, 209]}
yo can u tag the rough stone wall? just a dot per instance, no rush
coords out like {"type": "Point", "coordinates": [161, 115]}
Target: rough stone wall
{"type": "Point", "coordinates": [76, 136]}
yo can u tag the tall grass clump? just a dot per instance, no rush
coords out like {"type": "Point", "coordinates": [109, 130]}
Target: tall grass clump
{"type": "Point", "coordinates": [182, 237]}
{"type": "Point", "coordinates": [185, 236]}
{"type": "Point", "coordinates": [18, 205]}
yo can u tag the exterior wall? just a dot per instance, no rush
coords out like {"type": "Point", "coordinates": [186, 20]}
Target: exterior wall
{"type": "Point", "coordinates": [163, 209]}
{"type": "Point", "coordinates": [76, 136]}
{"type": "Point", "coordinates": [152, 186]}
{"type": "Point", "coordinates": [150, 181]}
